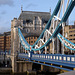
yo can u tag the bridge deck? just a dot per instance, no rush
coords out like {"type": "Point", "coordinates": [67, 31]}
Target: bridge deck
{"type": "Point", "coordinates": [66, 62]}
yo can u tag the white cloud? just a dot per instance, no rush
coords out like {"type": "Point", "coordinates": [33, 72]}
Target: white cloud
{"type": "Point", "coordinates": [5, 26]}
{"type": "Point", "coordinates": [3, 12]}
{"type": "Point", "coordinates": [7, 2]}
{"type": "Point", "coordinates": [31, 5]}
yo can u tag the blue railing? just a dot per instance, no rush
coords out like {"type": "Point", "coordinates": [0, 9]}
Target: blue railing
{"type": "Point", "coordinates": [55, 57]}
{"type": "Point", "coordinates": [23, 55]}
{"type": "Point", "coordinates": [50, 57]}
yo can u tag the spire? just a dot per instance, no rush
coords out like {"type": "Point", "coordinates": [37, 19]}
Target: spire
{"type": "Point", "coordinates": [21, 8]}
{"type": "Point", "coordinates": [50, 10]}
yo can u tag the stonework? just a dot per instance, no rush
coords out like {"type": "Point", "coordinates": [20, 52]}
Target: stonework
{"type": "Point", "coordinates": [14, 44]}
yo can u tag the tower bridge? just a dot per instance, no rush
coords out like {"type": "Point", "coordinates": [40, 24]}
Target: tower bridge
{"type": "Point", "coordinates": [23, 52]}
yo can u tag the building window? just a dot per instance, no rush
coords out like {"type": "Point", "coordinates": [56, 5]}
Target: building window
{"type": "Point", "coordinates": [74, 39]}
{"type": "Point", "coordinates": [70, 39]}
{"type": "Point", "coordinates": [26, 38]}
{"type": "Point", "coordinates": [27, 30]}
{"type": "Point", "coordinates": [70, 35]}
{"type": "Point", "coordinates": [70, 31]}
{"type": "Point", "coordinates": [23, 22]}
{"type": "Point", "coordinates": [34, 37]}
{"type": "Point", "coordinates": [31, 37]}
{"type": "Point", "coordinates": [27, 21]}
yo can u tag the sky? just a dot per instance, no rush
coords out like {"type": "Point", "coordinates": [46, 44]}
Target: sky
{"type": "Point", "coordinates": [12, 8]}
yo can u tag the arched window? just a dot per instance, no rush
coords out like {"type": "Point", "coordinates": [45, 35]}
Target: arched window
{"type": "Point", "coordinates": [27, 30]}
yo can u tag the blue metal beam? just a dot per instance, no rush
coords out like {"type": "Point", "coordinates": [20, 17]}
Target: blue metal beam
{"type": "Point", "coordinates": [67, 41]}
{"type": "Point", "coordinates": [59, 27]}
{"type": "Point", "coordinates": [53, 66]}
{"type": "Point", "coordinates": [49, 65]}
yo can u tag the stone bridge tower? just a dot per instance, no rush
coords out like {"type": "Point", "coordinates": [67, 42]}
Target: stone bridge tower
{"type": "Point", "coordinates": [14, 43]}
{"type": "Point", "coordinates": [15, 23]}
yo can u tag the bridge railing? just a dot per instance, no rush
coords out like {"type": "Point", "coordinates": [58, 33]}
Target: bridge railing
{"type": "Point", "coordinates": [55, 57]}
{"type": "Point", "coordinates": [49, 57]}
{"type": "Point", "coordinates": [23, 55]}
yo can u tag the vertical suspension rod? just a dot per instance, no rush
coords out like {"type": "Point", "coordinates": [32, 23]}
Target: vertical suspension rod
{"type": "Point", "coordinates": [63, 29]}
{"type": "Point", "coordinates": [53, 38]}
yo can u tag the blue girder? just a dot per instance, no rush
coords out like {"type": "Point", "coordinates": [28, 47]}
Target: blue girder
{"type": "Point", "coordinates": [59, 27]}
{"type": "Point", "coordinates": [67, 41]}
{"type": "Point", "coordinates": [19, 33]}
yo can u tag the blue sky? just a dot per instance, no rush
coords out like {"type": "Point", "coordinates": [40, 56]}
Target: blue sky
{"type": "Point", "coordinates": [12, 8]}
